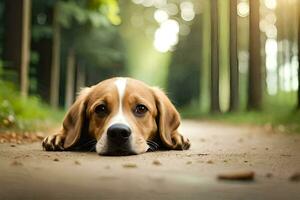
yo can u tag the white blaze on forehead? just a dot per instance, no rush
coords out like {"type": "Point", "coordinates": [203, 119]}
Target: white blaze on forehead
{"type": "Point", "coordinates": [121, 87]}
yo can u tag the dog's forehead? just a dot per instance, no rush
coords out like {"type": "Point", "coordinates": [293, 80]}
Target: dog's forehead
{"type": "Point", "coordinates": [126, 86]}
{"type": "Point", "coordinates": [104, 87]}
{"type": "Point", "coordinates": [138, 88]}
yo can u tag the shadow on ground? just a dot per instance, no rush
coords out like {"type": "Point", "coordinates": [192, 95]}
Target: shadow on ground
{"type": "Point", "coordinates": [27, 172]}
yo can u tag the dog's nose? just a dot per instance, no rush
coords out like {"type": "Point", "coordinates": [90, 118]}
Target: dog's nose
{"type": "Point", "coordinates": [118, 133]}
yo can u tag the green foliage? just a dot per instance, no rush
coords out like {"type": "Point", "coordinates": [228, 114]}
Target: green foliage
{"type": "Point", "coordinates": [93, 12]}
{"type": "Point", "coordinates": [277, 113]}
{"type": "Point", "coordinates": [23, 113]}
{"type": "Point", "coordinates": [99, 46]}
{"type": "Point", "coordinates": [88, 29]}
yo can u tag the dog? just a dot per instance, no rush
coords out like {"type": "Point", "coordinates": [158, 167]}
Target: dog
{"type": "Point", "coordinates": [119, 116]}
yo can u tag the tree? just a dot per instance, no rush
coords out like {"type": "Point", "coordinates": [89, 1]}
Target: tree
{"type": "Point", "coordinates": [55, 65]}
{"type": "Point", "coordinates": [255, 77]}
{"type": "Point", "coordinates": [298, 55]}
{"type": "Point", "coordinates": [17, 40]}
{"type": "Point", "coordinates": [86, 30]}
{"type": "Point", "coordinates": [183, 82]}
{"type": "Point", "coordinates": [70, 79]}
{"type": "Point", "coordinates": [234, 71]}
{"type": "Point", "coordinates": [214, 87]}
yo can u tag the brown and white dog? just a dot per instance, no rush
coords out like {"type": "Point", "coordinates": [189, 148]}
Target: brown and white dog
{"type": "Point", "coordinates": [119, 116]}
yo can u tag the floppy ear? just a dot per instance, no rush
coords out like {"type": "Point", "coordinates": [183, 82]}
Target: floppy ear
{"type": "Point", "coordinates": [168, 121]}
{"type": "Point", "coordinates": [75, 120]}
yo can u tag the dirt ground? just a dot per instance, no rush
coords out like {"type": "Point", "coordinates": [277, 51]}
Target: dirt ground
{"type": "Point", "coordinates": [28, 172]}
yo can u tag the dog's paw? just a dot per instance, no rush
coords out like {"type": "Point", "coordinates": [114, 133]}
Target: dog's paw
{"type": "Point", "coordinates": [180, 142]}
{"type": "Point", "coordinates": [54, 143]}
{"type": "Point", "coordinates": [186, 144]}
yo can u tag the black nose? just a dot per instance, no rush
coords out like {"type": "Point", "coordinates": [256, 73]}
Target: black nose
{"type": "Point", "coordinates": [118, 133]}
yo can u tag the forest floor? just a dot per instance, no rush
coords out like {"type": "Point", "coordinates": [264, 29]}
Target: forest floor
{"type": "Point", "coordinates": [28, 172]}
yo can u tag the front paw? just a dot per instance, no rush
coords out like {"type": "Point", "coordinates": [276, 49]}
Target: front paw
{"type": "Point", "coordinates": [186, 144]}
{"type": "Point", "coordinates": [54, 143]}
{"type": "Point", "coordinates": [180, 142]}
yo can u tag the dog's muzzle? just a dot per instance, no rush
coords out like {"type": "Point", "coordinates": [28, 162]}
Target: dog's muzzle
{"type": "Point", "coordinates": [118, 139]}
{"type": "Point", "coordinates": [118, 134]}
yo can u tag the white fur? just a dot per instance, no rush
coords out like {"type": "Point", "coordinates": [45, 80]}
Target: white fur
{"type": "Point", "coordinates": [120, 83]}
{"type": "Point", "coordinates": [120, 117]}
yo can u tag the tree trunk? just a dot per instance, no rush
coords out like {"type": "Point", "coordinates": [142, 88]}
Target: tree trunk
{"type": "Point", "coordinates": [234, 71]}
{"type": "Point", "coordinates": [55, 65]}
{"type": "Point", "coordinates": [43, 67]}
{"type": "Point", "coordinates": [255, 82]}
{"type": "Point", "coordinates": [70, 79]}
{"type": "Point", "coordinates": [298, 55]}
{"type": "Point", "coordinates": [80, 78]}
{"type": "Point", "coordinates": [214, 88]}
{"type": "Point", "coordinates": [26, 21]}
{"type": "Point", "coordinates": [17, 40]}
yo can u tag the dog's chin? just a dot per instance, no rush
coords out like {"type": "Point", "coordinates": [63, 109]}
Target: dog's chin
{"type": "Point", "coordinates": [113, 150]}
{"type": "Point", "coordinates": [118, 152]}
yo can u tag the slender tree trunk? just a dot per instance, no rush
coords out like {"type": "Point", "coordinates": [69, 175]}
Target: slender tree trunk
{"type": "Point", "coordinates": [255, 74]}
{"type": "Point", "coordinates": [43, 67]}
{"type": "Point", "coordinates": [234, 71]}
{"type": "Point", "coordinates": [17, 40]}
{"type": "Point", "coordinates": [204, 97]}
{"type": "Point", "coordinates": [214, 88]}
{"type": "Point", "coordinates": [298, 55]}
{"type": "Point", "coordinates": [80, 78]}
{"type": "Point", "coordinates": [26, 19]}
{"type": "Point", "coordinates": [70, 79]}
{"type": "Point", "coordinates": [55, 65]}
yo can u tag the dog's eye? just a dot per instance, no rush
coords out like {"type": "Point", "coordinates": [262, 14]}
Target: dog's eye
{"type": "Point", "coordinates": [101, 110]}
{"type": "Point", "coordinates": [140, 110]}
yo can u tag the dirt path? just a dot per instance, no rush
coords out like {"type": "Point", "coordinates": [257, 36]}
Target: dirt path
{"type": "Point", "coordinates": [27, 172]}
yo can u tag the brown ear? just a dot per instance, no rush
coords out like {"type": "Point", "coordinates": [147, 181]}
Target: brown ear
{"type": "Point", "coordinates": [168, 121]}
{"type": "Point", "coordinates": [75, 120]}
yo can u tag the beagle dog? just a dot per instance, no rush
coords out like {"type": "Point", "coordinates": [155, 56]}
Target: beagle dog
{"type": "Point", "coordinates": [119, 116]}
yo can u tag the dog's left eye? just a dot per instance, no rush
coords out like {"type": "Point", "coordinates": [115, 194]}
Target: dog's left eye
{"type": "Point", "coordinates": [140, 110]}
{"type": "Point", "coordinates": [101, 110]}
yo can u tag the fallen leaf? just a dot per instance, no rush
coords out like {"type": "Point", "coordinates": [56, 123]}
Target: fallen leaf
{"type": "Point", "coordinates": [76, 162]}
{"type": "Point", "coordinates": [239, 176]}
{"type": "Point", "coordinates": [130, 165]}
{"type": "Point", "coordinates": [156, 162]}
{"type": "Point", "coordinates": [202, 154]}
{"type": "Point", "coordinates": [210, 162]}
{"type": "Point", "coordinates": [295, 177]}
{"type": "Point", "coordinates": [269, 175]}
{"type": "Point", "coordinates": [16, 163]}
{"type": "Point", "coordinates": [189, 162]}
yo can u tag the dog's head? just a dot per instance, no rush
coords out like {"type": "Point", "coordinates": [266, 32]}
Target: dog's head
{"type": "Point", "coordinates": [122, 114]}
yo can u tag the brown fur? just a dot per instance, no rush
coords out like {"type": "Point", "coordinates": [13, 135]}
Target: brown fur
{"type": "Point", "coordinates": [161, 121]}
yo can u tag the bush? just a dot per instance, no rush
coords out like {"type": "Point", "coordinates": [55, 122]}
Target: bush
{"type": "Point", "coordinates": [23, 113]}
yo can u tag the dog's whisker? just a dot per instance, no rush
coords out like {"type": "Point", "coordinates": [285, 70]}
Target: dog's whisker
{"type": "Point", "coordinates": [153, 146]}
{"type": "Point", "coordinates": [152, 143]}
{"type": "Point", "coordinates": [93, 148]}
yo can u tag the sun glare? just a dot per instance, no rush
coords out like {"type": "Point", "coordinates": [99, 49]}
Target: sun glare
{"type": "Point", "coordinates": [243, 9]}
{"type": "Point", "coordinates": [166, 36]}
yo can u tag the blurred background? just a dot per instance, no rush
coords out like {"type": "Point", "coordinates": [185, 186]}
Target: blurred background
{"type": "Point", "coordinates": [230, 60]}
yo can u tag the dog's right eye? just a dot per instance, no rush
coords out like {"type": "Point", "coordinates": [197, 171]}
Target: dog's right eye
{"type": "Point", "coordinates": [101, 110]}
